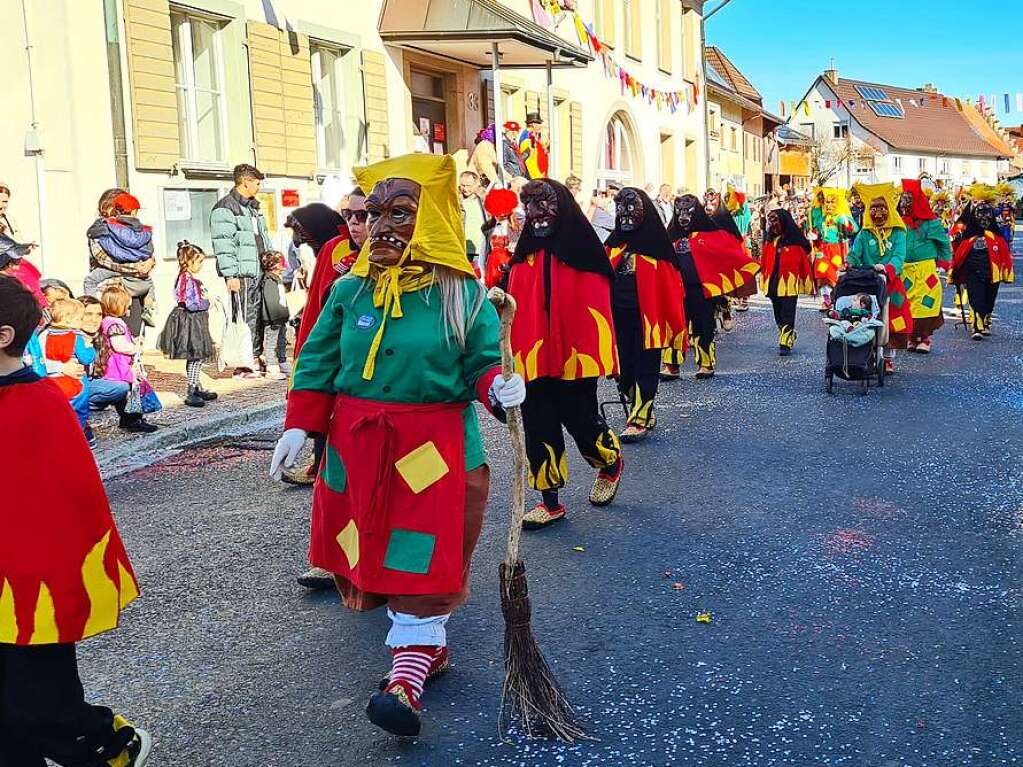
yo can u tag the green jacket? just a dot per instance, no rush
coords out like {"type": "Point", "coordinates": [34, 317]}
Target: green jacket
{"type": "Point", "coordinates": [929, 241]}
{"type": "Point", "coordinates": [239, 235]}
{"type": "Point", "coordinates": [865, 252]}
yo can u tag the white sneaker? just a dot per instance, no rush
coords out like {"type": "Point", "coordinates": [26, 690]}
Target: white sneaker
{"type": "Point", "coordinates": [286, 368]}
{"type": "Point", "coordinates": [273, 372]}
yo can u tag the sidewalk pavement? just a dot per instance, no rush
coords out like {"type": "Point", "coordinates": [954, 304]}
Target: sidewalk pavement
{"type": "Point", "coordinates": [241, 405]}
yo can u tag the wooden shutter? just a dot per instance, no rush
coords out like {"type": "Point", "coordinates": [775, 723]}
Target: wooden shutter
{"type": "Point", "coordinates": [607, 21]}
{"type": "Point", "coordinates": [576, 118]}
{"type": "Point", "coordinates": [267, 98]}
{"type": "Point", "coordinates": [282, 101]}
{"type": "Point", "coordinates": [375, 88]}
{"type": "Point", "coordinates": [299, 123]}
{"type": "Point", "coordinates": [154, 103]}
{"type": "Point", "coordinates": [665, 55]}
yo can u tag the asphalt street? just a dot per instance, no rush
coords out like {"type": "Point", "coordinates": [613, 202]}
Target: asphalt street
{"type": "Point", "coordinates": [860, 557]}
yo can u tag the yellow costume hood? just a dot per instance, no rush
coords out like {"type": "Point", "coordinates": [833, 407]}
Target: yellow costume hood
{"type": "Point", "coordinates": [870, 192]}
{"type": "Point", "coordinates": [838, 196]}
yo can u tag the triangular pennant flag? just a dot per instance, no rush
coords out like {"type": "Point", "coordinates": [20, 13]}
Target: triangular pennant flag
{"type": "Point", "coordinates": [827, 103]}
{"type": "Point", "coordinates": [782, 108]}
{"type": "Point", "coordinates": [1019, 102]}
{"type": "Point", "coordinates": [959, 104]}
{"type": "Point", "coordinates": [806, 108]}
{"type": "Point", "coordinates": [1007, 107]}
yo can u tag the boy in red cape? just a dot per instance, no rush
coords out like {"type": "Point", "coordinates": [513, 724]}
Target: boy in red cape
{"type": "Point", "coordinates": [646, 301]}
{"type": "Point", "coordinates": [563, 341]}
{"type": "Point", "coordinates": [64, 574]}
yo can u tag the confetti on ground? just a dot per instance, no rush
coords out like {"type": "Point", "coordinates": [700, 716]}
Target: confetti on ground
{"type": "Point", "coordinates": [578, 548]}
{"type": "Point", "coordinates": [703, 617]}
{"type": "Point", "coordinates": [678, 586]}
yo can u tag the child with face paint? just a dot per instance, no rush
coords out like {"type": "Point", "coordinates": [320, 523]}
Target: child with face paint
{"type": "Point", "coordinates": [982, 258]}
{"type": "Point", "coordinates": [833, 227]}
{"type": "Point", "coordinates": [786, 272]}
{"type": "Point", "coordinates": [563, 341]}
{"type": "Point", "coordinates": [646, 301]}
{"type": "Point", "coordinates": [927, 249]}
{"type": "Point", "coordinates": [881, 246]}
{"type": "Point", "coordinates": [713, 266]}
{"type": "Point", "coordinates": [402, 347]}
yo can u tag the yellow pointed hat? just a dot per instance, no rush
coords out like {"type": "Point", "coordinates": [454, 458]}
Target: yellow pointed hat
{"type": "Point", "coordinates": [839, 196]}
{"type": "Point", "coordinates": [439, 237]}
{"type": "Point", "coordinates": [870, 192]}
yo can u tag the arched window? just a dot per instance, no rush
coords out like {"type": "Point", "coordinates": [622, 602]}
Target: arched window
{"type": "Point", "coordinates": [618, 159]}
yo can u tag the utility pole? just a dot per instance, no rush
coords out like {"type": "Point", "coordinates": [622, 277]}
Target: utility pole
{"type": "Point", "coordinates": [34, 145]}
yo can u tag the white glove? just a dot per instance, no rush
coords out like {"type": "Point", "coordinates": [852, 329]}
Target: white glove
{"type": "Point", "coordinates": [508, 393]}
{"type": "Point", "coordinates": [286, 451]}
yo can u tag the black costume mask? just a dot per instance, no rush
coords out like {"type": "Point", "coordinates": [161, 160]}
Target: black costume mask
{"type": "Point", "coordinates": [788, 232]}
{"type": "Point", "coordinates": [690, 216]}
{"type": "Point", "coordinates": [629, 210]}
{"type": "Point", "coordinates": [905, 205]}
{"type": "Point", "coordinates": [569, 238]}
{"type": "Point", "coordinates": [540, 203]}
{"type": "Point", "coordinates": [646, 234]}
{"type": "Point", "coordinates": [984, 215]}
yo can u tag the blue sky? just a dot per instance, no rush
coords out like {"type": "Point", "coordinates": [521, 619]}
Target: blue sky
{"type": "Point", "coordinates": [965, 48]}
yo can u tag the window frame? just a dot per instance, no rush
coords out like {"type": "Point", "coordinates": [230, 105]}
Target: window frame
{"type": "Point", "coordinates": [338, 52]}
{"type": "Point", "coordinates": [665, 52]}
{"type": "Point", "coordinates": [182, 35]}
{"type": "Point", "coordinates": [632, 30]}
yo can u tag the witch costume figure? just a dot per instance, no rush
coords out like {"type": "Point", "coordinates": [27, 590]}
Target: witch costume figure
{"type": "Point", "coordinates": [927, 250]}
{"type": "Point", "coordinates": [713, 265]}
{"type": "Point", "coordinates": [982, 259]}
{"type": "Point", "coordinates": [646, 302]}
{"type": "Point", "coordinates": [786, 272]}
{"type": "Point", "coordinates": [563, 341]}
{"type": "Point", "coordinates": [834, 227]}
{"type": "Point", "coordinates": [402, 347]}
{"type": "Point", "coordinates": [881, 246]}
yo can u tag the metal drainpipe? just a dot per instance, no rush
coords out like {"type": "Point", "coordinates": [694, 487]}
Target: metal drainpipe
{"type": "Point", "coordinates": [116, 93]}
{"type": "Point", "coordinates": [36, 149]}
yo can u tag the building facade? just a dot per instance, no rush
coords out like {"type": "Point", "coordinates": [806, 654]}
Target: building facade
{"type": "Point", "coordinates": [870, 132]}
{"type": "Point", "coordinates": [164, 97]}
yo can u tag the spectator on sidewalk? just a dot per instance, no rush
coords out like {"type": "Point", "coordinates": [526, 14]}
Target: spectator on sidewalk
{"type": "Point", "coordinates": [664, 204]}
{"type": "Point", "coordinates": [116, 358]}
{"type": "Point", "coordinates": [602, 210]}
{"type": "Point", "coordinates": [102, 392]}
{"type": "Point", "coordinates": [473, 218]}
{"type": "Point", "coordinates": [106, 269]}
{"type": "Point", "coordinates": [511, 161]}
{"type": "Point", "coordinates": [273, 315]}
{"type": "Point", "coordinates": [62, 342]}
{"type": "Point", "coordinates": [239, 235]}
{"type": "Point", "coordinates": [186, 334]}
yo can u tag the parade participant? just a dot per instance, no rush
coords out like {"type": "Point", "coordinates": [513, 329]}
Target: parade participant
{"type": "Point", "coordinates": [786, 272]}
{"type": "Point", "coordinates": [982, 259]}
{"type": "Point", "coordinates": [563, 341]}
{"type": "Point", "coordinates": [856, 209]}
{"type": "Point", "coordinates": [713, 266]}
{"type": "Point", "coordinates": [737, 206]}
{"type": "Point", "coordinates": [941, 204]}
{"type": "Point", "coordinates": [1006, 211]}
{"type": "Point", "coordinates": [881, 246]}
{"type": "Point", "coordinates": [533, 147]}
{"type": "Point", "coordinates": [833, 227]}
{"type": "Point", "coordinates": [646, 302]}
{"type": "Point", "coordinates": [714, 205]}
{"type": "Point", "coordinates": [511, 163]}
{"type": "Point", "coordinates": [64, 573]}
{"type": "Point", "coordinates": [927, 248]}
{"type": "Point", "coordinates": [501, 205]}
{"type": "Point", "coordinates": [399, 504]}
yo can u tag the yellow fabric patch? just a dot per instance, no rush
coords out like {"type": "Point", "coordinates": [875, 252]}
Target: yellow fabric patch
{"type": "Point", "coordinates": [422, 467]}
{"type": "Point", "coordinates": [104, 602]}
{"type": "Point", "coordinates": [898, 324]}
{"type": "Point", "coordinates": [348, 540]}
{"type": "Point", "coordinates": [8, 619]}
{"type": "Point", "coordinates": [129, 590]}
{"type": "Point", "coordinates": [44, 627]}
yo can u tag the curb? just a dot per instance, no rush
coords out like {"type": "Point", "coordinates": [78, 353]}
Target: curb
{"type": "Point", "coordinates": [137, 453]}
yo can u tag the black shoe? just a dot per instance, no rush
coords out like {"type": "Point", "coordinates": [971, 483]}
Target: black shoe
{"type": "Point", "coordinates": [209, 396]}
{"type": "Point", "coordinates": [194, 399]}
{"type": "Point", "coordinates": [784, 351]}
{"type": "Point", "coordinates": [136, 425]}
{"type": "Point", "coordinates": [89, 436]}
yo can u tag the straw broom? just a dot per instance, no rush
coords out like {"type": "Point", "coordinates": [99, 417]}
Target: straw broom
{"type": "Point", "coordinates": [531, 693]}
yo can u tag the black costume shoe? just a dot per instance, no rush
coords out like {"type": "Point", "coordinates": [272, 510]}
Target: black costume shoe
{"type": "Point", "coordinates": [136, 424]}
{"type": "Point", "coordinates": [784, 351]}
{"type": "Point", "coordinates": [396, 710]}
{"type": "Point", "coordinates": [194, 399]}
{"type": "Point", "coordinates": [209, 396]}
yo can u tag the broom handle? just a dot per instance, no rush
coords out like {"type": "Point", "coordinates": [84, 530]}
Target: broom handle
{"type": "Point", "coordinates": [506, 303]}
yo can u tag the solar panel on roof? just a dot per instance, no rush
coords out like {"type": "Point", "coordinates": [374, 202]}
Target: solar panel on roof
{"type": "Point", "coordinates": [871, 93]}
{"type": "Point", "coordinates": [885, 109]}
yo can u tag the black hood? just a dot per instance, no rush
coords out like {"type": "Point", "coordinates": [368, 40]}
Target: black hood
{"type": "Point", "coordinates": [572, 241]}
{"type": "Point", "coordinates": [321, 221]}
{"type": "Point", "coordinates": [701, 222]}
{"type": "Point", "coordinates": [970, 226]}
{"type": "Point", "coordinates": [791, 234]}
{"type": "Point", "coordinates": [726, 222]}
{"type": "Point", "coordinates": [650, 239]}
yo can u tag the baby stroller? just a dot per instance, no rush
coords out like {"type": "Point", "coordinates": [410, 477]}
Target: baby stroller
{"type": "Point", "coordinates": [865, 362]}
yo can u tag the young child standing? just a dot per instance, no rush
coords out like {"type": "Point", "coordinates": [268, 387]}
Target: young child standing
{"type": "Point", "coordinates": [186, 336]}
{"type": "Point", "coordinates": [62, 342]}
{"type": "Point", "coordinates": [64, 573]}
{"type": "Point", "coordinates": [274, 313]}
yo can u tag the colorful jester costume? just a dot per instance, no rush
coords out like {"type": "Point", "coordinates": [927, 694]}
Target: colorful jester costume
{"type": "Point", "coordinates": [713, 266]}
{"type": "Point", "coordinates": [982, 259]}
{"type": "Point", "coordinates": [927, 249]}
{"type": "Point", "coordinates": [832, 222]}
{"type": "Point", "coordinates": [533, 150]}
{"type": "Point", "coordinates": [886, 245]}
{"type": "Point", "coordinates": [646, 302]}
{"type": "Point", "coordinates": [563, 341]}
{"type": "Point", "coordinates": [64, 577]}
{"type": "Point", "coordinates": [786, 272]}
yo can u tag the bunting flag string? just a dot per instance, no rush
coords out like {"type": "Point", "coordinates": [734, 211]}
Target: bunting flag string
{"type": "Point", "coordinates": [987, 104]}
{"type": "Point", "coordinates": [687, 98]}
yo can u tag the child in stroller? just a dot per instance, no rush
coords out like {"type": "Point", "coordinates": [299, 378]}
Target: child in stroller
{"type": "Point", "coordinates": [857, 329]}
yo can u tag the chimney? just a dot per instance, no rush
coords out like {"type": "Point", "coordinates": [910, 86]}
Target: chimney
{"type": "Point", "coordinates": [831, 75]}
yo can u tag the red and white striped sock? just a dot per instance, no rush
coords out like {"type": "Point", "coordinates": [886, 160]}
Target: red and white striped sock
{"type": "Point", "coordinates": [412, 664]}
